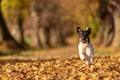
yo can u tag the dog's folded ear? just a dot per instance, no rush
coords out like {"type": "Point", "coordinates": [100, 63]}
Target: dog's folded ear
{"type": "Point", "coordinates": [78, 29]}
{"type": "Point", "coordinates": [88, 29]}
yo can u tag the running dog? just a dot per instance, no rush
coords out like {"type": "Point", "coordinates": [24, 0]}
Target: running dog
{"type": "Point", "coordinates": [86, 51]}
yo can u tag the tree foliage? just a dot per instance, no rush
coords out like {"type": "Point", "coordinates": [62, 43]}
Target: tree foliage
{"type": "Point", "coordinates": [15, 8]}
{"type": "Point", "coordinates": [47, 22]}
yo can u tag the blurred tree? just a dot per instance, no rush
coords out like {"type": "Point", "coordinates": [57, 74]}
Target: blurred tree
{"type": "Point", "coordinates": [82, 13]}
{"type": "Point", "coordinates": [49, 24]}
{"type": "Point", "coordinates": [15, 12]}
{"type": "Point", "coordinates": [7, 37]}
{"type": "Point", "coordinates": [22, 14]}
{"type": "Point", "coordinates": [109, 12]}
{"type": "Point", "coordinates": [106, 31]}
{"type": "Point", "coordinates": [114, 9]}
{"type": "Point", "coordinates": [50, 21]}
{"type": "Point", "coordinates": [57, 18]}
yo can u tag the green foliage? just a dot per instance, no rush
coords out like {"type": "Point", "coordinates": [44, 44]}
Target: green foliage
{"type": "Point", "coordinates": [95, 26]}
{"type": "Point", "coordinates": [15, 8]}
{"type": "Point", "coordinates": [28, 41]}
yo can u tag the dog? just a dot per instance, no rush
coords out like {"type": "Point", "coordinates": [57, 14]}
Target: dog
{"type": "Point", "coordinates": [85, 48]}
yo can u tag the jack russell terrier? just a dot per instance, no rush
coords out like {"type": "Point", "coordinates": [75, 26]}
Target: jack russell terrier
{"type": "Point", "coordinates": [86, 51]}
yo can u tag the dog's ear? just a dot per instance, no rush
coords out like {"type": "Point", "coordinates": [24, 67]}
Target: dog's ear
{"type": "Point", "coordinates": [78, 29]}
{"type": "Point", "coordinates": [88, 29]}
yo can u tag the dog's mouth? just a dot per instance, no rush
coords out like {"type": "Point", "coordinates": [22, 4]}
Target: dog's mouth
{"type": "Point", "coordinates": [84, 41]}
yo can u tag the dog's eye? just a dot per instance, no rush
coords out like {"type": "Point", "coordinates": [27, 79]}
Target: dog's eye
{"type": "Point", "coordinates": [85, 33]}
{"type": "Point", "coordinates": [80, 33]}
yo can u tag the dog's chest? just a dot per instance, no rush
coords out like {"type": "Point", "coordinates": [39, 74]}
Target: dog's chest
{"type": "Point", "coordinates": [82, 46]}
{"type": "Point", "coordinates": [85, 48]}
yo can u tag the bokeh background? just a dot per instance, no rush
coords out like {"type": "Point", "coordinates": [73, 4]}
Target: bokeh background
{"type": "Point", "coordinates": [48, 27]}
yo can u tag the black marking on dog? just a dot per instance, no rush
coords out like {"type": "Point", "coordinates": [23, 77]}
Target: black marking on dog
{"type": "Point", "coordinates": [84, 34]}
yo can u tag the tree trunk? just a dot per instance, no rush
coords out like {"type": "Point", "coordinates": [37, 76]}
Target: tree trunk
{"type": "Point", "coordinates": [108, 30]}
{"type": "Point", "coordinates": [1, 40]}
{"type": "Point", "coordinates": [6, 34]}
{"type": "Point", "coordinates": [7, 37]}
{"type": "Point", "coordinates": [116, 16]}
{"type": "Point", "coordinates": [38, 38]}
{"type": "Point", "coordinates": [35, 25]}
{"type": "Point", "coordinates": [47, 35]}
{"type": "Point", "coordinates": [110, 17]}
{"type": "Point", "coordinates": [42, 37]}
{"type": "Point", "coordinates": [54, 37]}
{"type": "Point", "coordinates": [105, 33]}
{"type": "Point", "coordinates": [20, 25]}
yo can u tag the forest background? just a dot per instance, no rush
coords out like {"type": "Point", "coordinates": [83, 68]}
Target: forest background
{"type": "Point", "coordinates": [51, 24]}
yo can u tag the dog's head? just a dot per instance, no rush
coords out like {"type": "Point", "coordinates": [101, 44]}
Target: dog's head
{"type": "Point", "coordinates": [84, 34]}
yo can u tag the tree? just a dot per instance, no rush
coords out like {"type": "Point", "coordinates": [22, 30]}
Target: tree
{"type": "Point", "coordinates": [49, 25]}
{"type": "Point", "coordinates": [109, 31]}
{"type": "Point", "coordinates": [15, 12]}
{"type": "Point", "coordinates": [7, 37]}
{"type": "Point", "coordinates": [114, 9]}
{"type": "Point", "coordinates": [23, 9]}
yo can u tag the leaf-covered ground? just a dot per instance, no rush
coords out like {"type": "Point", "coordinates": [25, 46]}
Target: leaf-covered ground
{"type": "Point", "coordinates": [103, 68]}
{"type": "Point", "coordinates": [60, 64]}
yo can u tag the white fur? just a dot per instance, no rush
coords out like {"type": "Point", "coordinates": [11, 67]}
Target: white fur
{"type": "Point", "coordinates": [86, 52]}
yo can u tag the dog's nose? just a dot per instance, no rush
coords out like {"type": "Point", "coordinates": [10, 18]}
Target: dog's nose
{"type": "Point", "coordinates": [83, 38]}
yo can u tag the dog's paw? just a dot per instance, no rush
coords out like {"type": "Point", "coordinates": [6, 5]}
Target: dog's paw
{"type": "Point", "coordinates": [82, 57]}
{"type": "Point", "coordinates": [87, 63]}
{"type": "Point", "coordinates": [91, 60]}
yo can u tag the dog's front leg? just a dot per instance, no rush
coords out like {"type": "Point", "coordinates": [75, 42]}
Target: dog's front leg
{"type": "Point", "coordinates": [88, 60]}
{"type": "Point", "coordinates": [82, 56]}
{"type": "Point", "coordinates": [81, 52]}
{"type": "Point", "coordinates": [91, 59]}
